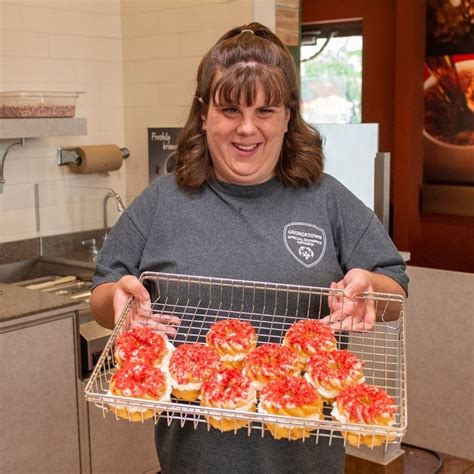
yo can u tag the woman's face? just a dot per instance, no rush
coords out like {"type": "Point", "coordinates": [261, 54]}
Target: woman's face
{"type": "Point", "coordinates": [245, 141]}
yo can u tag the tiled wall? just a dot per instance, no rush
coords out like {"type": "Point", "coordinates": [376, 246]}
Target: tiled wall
{"type": "Point", "coordinates": [61, 45]}
{"type": "Point", "coordinates": [135, 59]}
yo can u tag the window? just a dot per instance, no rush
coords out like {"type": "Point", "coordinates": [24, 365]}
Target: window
{"type": "Point", "coordinates": [331, 72]}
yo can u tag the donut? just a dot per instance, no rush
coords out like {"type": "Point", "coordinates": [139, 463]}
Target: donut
{"type": "Point", "coordinates": [269, 362]}
{"type": "Point", "coordinates": [229, 389]}
{"type": "Point", "coordinates": [142, 344]}
{"type": "Point", "coordinates": [189, 365]}
{"type": "Point", "coordinates": [333, 371]}
{"type": "Point", "coordinates": [138, 380]}
{"type": "Point", "coordinates": [308, 336]}
{"type": "Point", "coordinates": [233, 339]}
{"type": "Point", "coordinates": [290, 396]}
{"type": "Point", "coordinates": [368, 405]}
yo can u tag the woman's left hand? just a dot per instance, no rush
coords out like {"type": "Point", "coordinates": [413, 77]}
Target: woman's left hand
{"type": "Point", "coordinates": [349, 313]}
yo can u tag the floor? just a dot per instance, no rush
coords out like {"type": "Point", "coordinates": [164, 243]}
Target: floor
{"type": "Point", "coordinates": [413, 461]}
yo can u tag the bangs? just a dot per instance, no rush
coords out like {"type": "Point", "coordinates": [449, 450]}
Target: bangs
{"type": "Point", "coordinates": [240, 84]}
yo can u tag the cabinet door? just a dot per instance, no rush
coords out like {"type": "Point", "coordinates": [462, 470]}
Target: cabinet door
{"type": "Point", "coordinates": [38, 399]}
{"type": "Point", "coordinates": [120, 446]}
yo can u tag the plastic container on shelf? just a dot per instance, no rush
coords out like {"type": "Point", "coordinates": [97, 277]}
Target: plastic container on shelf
{"type": "Point", "coordinates": [38, 104]}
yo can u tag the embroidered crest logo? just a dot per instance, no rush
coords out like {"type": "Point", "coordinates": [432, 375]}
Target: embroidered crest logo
{"type": "Point", "coordinates": [305, 242]}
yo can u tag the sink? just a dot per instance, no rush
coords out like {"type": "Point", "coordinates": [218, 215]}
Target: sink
{"type": "Point", "coordinates": [24, 270]}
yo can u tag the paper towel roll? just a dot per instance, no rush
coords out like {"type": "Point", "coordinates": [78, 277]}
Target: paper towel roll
{"type": "Point", "coordinates": [97, 159]}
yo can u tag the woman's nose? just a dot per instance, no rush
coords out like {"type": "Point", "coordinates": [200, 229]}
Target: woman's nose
{"type": "Point", "coordinates": [246, 125]}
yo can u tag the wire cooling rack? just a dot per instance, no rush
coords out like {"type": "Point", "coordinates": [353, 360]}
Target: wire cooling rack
{"type": "Point", "coordinates": [271, 308]}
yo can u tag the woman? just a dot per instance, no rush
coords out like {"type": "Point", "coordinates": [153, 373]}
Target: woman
{"type": "Point", "coordinates": [248, 200]}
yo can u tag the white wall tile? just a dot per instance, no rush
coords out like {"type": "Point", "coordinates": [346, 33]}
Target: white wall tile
{"type": "Point", "coordinates": [177, 93]}
{"type": "Point", "coordinates": [166, 70]}
{"type": "Point", "coordinates": [17, 196]}
{"type": "Point", "coordinates": [194, 18]}
{"type": "Point", "coordinates": [241, 12]}
{"type": "Point", "coordinates": [111, 95]}
{"type": "Point", "coordinates": [82, 47]}
{"type": "Point", "coordinates": [142, 24]}
{"type": "Point", "coordinates": [19, 43]}
{"type": "Point", "coordinates": [197, 43]}
{"type": "Point", "coordinates": [150, 47]}
{"type": "Point", "coordinates": [59, 21]}
{"type": "Point", "coordinates": [133, 7]}
{"type": "Point", "coordinates": [110, 26]}
{"type": "Point", "coordinates": [17, 221]}
{"type": "Point", "coordinates": [10, 17]}
{"type": "Point", "coordinates": [98, 72]}
{"type": "Point", "coordinates": [31, 70]}
{"type": "Point", "coordinates": [15, 171]}
{"type": "Point", "coordinates": [140, 95]}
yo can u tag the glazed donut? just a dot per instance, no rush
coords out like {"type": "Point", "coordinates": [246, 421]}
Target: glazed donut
{"type": "Point", "coordinates": [290, 396]}
{"type": "Point", "coordinates": [233, 339]}
{"type": "Point", "coordinates": [142, 344]}
{"type": "Point", "coordinates": [230, 389]}
{"type": "Point", "coordinates": [189, 365]}
{"type": "Point", "coordinates": [269, 362]}
{"type": "Point", "coordinates": [138, 380]}
{"type": "Point", "coordinates": [368, 405]}
{"type": "Point", "coordinates": [333, 371]}
{"type": "Point", "coordinates": [307, 336]}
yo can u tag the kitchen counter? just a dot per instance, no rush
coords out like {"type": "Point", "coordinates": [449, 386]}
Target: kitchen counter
{"type": "Point", "coordinates": [17, 302]}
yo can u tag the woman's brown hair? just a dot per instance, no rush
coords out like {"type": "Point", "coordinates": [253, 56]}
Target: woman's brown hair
{"type": "Point", "coordinates": [246, 57]}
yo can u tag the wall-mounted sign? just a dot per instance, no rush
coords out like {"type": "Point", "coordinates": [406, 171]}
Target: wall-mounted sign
{"type": "Point", "coordinates": [162, 144]}
{"type": "Point", "coordinates": [448, 135]}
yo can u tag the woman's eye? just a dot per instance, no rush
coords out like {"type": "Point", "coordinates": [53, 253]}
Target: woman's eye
{"type": "Point", "coordinates": [231, 111]}
{"type": "Point", "coordinates": [265, 112]}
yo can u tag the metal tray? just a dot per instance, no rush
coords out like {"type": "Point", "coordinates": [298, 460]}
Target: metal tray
{"type": "Point", "coordinates": [271, 308]}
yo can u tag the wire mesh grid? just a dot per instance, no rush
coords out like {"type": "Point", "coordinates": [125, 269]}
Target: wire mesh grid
{"type": "Point", "coordinates": [271, 308]}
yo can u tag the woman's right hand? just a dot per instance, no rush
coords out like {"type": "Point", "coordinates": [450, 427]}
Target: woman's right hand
{"type": "Point", "coordinates": [140, 312]}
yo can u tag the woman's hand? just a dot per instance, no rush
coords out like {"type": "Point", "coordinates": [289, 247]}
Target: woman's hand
{"type": "Point", "coordinates": [109, 300]}
{"type": "Point", "coordinates": [141, 311]}
{"type": "Point", "coordinates": [124, 289]}
{"type": "Point", "coordinates": [349, 313]}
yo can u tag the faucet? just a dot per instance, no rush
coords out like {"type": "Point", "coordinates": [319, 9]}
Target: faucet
{"type": "Point", "coordinates": [120, 207]}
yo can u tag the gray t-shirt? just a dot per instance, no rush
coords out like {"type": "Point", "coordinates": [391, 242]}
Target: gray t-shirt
{"type": "Point", "coordinates": [266, 232]}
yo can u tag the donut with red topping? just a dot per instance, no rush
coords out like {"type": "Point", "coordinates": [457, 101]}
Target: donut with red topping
{"type": "Point", "coordinates": [269, 362]}
{"type": "Point", "coordinates": [308, 336]}
{"type": "Point", "coordinates": [368, 405]}
{"type": "Point", "coordinates": [189, 366]}
{"type": "Point", "coordinates": [142, 344]}
{"type": "Point", "coordinates": [233, 339]}
{"type": "Point", "coordinates": [229, 389]}
{"type": "Point", "coordinates": [290, 396]}
{"type": "Point", "coordinates": [138, 380]}
{"type": "Point", "coordinates": [333, 371]}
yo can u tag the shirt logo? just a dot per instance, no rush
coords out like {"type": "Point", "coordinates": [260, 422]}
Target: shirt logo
{"type": "Point", "coordinates": [305, 242]}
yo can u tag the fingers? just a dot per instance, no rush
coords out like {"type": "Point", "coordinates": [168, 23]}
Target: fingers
{"type": "Point", "coordinates": [158, 322]}
{"type": "Point", "coordinates": [131, 285]}
{"type": "Point", "coordinates": [351, 314]}
{"type": "Point", "coordinates": [352, 324]}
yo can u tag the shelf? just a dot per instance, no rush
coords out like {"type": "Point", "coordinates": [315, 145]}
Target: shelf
{"type": "Point", "coordinates": [42, 127]}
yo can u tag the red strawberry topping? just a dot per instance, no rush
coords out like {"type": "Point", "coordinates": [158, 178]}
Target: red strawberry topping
{"type": "Point", "coordinates": [288, 392]}
{"type": "Point", "coordinates": [193, 363]}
